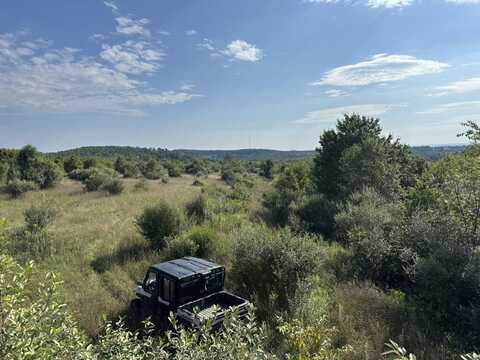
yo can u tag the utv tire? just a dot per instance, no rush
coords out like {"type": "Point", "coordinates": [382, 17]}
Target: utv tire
{"type": "Point", "coordinates": [136, 312]}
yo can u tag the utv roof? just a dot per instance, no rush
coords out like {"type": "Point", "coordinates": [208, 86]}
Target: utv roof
{"type": "Point", "coordinates": [187, 267]}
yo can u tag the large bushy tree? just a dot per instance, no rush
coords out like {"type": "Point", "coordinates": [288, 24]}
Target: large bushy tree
{"type": "Point", "coordinates": [356, 154]}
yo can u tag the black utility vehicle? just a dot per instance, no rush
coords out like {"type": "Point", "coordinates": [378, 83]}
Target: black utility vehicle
{"type": "Point", "coordinates": [191, 288]}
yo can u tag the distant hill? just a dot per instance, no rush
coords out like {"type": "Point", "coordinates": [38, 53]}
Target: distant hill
{"type": "Point", "coordinates": [435, 152]}
{"type": "Point", "coordinates": [247, 154]}
{"type": "Point", "coordinates": [111, 152]}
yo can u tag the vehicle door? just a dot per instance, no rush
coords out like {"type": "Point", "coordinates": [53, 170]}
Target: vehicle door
{"type": "Point", "coordinates": [166, 294]}
{"type": "Point", "coordinates": [149, 292]}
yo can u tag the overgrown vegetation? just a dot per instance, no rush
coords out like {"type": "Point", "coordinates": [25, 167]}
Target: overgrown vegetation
{"type": "Point", "coordinates": [365, 245]}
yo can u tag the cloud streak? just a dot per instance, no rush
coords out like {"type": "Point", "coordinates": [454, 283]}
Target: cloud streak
{"type": "Point", "coordinates": [330, 115]}
{"type": "Point", "coordinates": [458, 87]}
{"type": "Point", "coordinates": [388, 4]}
{"type": "Point", "coordinates": [381, 68]}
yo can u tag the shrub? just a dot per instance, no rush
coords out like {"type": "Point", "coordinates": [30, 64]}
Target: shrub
{"type": "Point", "coordinates": [130, 170]}
{"type": "Point", "coordinates": [32, 313]}
{"type": "Point", "coordinates": [181, 246]}
{"type": "Point", "coordinates": [288, 191]}
{"type": "Point", "coordinates": [317, 215]}
{"type": "Point", "coordinates": [271, 265]}
{"type": "Point", "coordinates": [197, 182]}
{"type": "Point", "coordinates": [72, 163]}
{"type": "Point", "coordinates": [310, 333]}
{"type": "Point", "coordinates": [229, 176]}
{"type": "Point", "coordinates": [174, 169]}
{"type": "Point", "coordinates": [196, 167]}
{"type": "Point", "coordinates": [17, 188]}
{"type": "Point", "coordinates": [159, 222]}
{"type": "Point", "coordinates": [113, 186]}
{"type": "Point", "coordinates": [204, 239]}
{"type": "Point", "coordinates": [90, 163]}
{"type": "Point", "coordinates": [96, 181]}
{"type": "Point", "coordinates": [368, 212]}
{"type": "Point", "coordinates": [266, 169]}
{"type": "Point", "coordinates": [197, 209]}
{"type": "Point", "coordinates": [81, 174]}
{"type": "Point", "coordinates": [37, 218]}
{"type": "Point", "coordinates": [141, 185]}
{"type": "Point", "coordinates": [153, 170]}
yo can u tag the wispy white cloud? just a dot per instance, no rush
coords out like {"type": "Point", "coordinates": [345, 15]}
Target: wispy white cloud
{"type": "Point", "coordinates": [206, 44]}
{"type": "Point", "coordinates": [187, 86]}
{"type": "Point", "coordinates": [133, 57]}
{"type": "Point", "coordinates": [236, 50]}
{"type": "Point", "coordinates": [191, 32]}
{"type": "Point", "coordinates": [64, 80]}
{"type": "Point", "coordinates": [243, 51]}
{"type": "Point", "coordinates": [129, 26]}
{"type": "Point", "coordinates": [458, 87]}
{"type": "Point", "coordinates": [461, 106]}
{"type": "Point", "coordinates": [389, 4]}
{"type": "Point", "coordinates": [464, 1]}
{"type": "Point", "coordinates": [330, 115]}
{"type": "Point", "coordinates": [381, 68]}
{"type": "Point", "coordinates": [98, 37]}
{"type": "Point", "coordinates": [386, 4]}
{"type": "Point", "coordinates": [111, 5]}
{"type": "Point", "coordinates": [336, 93]}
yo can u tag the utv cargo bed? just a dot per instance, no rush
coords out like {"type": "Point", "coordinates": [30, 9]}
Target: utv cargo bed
{"type": "Point", "coordinates": [213, 307]}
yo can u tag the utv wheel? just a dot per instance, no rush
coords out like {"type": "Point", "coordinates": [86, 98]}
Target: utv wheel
{"type": "Point", "coordinates": [136, 312]}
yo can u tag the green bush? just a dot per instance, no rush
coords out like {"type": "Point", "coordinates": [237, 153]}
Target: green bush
{"type": "Point", "coordinates": [17, 188]}
{"type": "Point", "coordinates": [141, 185]}
{"type": "Point", "coordinates": [316, 215]}
{"type": "Point", "coordinates": [153, 170]}
{"type": "Point", "coordinates": [37, 218]}
{"type": "Point", "coordinates": [181, 246]}
{"type": "Point", "coordinates": [113, 186]}
{"type": "Point", "coordinates": [174, 169]}
{"type": "Point", "coordinates": [196, 210]}
{"type": "Point", "coordinates": [35, 323]}
{"type": "Point", "coordinates": [229, 176]}
{"type": "Point", "coordinates": [159, 222]}
{"type": "Point", "coordinates": [205, 240]}
{"type": "Point", "coordinates": [270, 265]}
{"type": "Point", "coordinates": [96, 181]}
{"type": "Point", "coordinates": [81, 174]}
{"type": "Point", "coordinates": [197, 182]}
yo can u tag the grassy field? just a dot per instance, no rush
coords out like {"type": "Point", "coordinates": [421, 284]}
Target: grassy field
{"type": "Point", "coordinates": [97, 249]}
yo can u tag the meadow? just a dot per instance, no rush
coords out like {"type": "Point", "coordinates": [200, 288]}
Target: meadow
{"type": "Point", "coordinates": [364, 244]}
{"type": "Point", "coordinates": [97, 250]}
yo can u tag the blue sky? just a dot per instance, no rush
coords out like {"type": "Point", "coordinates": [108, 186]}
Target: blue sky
{"type": "Point", "coordinates": [234, 74]}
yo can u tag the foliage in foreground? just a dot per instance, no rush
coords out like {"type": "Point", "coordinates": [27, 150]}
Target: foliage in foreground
{"type": "Point", "coordinates": [34, 324]}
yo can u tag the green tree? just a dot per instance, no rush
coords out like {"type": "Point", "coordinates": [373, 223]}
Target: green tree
{"type": "Point", "coordinates": [266, 169]}
{"type": "Point", "coordinates": [153, 170]}
{"type": "Point", "coordinates": [25, 160]}
{"type": "Point", "coordinates": [367, 164]}
{"type": "Point", "coordinates": [288, 191]}
{"type": "Point", "coordinates": [72, 163]}
{"type": "Point", "coordinates": [344, 155]}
